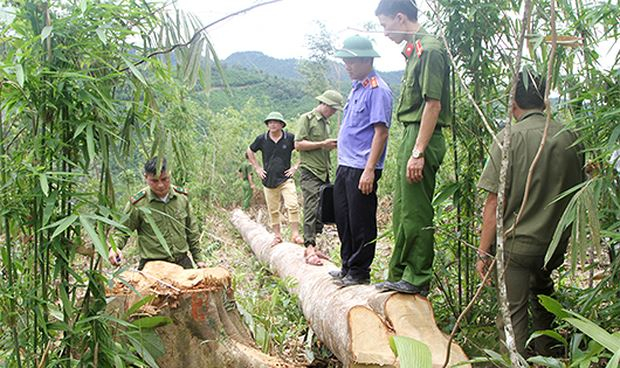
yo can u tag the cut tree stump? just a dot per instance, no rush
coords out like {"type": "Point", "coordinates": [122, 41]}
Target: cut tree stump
{"type": "Point", "coordinates": [355, 322]}
{"type": "Point", "coordinates": [206, 328]}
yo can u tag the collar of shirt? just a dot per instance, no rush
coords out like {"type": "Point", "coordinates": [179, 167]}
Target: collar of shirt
{"type": "Point", "coordinates": [152, 197]}
{"type": "Point", "coordinates": [319, 117]}
{"type": "Point", "coordinates": [364, 83]}
{"type": "Point", "coordinates": [414, 46]}
{"type": "Point", "coordinates": [527, 113]}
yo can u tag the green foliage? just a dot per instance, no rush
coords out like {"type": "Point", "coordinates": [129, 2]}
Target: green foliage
{"type": "Point", "coordinates": [315, 70]}
{"type": "Point", "coordinates": [272, 313]}
{"type": "Point", "coordinates": [411, 352]}
{"type": "Point", "coordinates": [80, 101]}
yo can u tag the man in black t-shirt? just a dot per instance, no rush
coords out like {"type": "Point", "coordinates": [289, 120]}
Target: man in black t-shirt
{"type": "Point", "coordinates": [277, 173]}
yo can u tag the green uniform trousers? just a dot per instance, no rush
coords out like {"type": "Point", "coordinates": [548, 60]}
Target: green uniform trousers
{"type": "Point", "coordinates": [311, 188]}
{"type": "Point", "coordinates": [247, 194]}
{"type": "Point", "coordinates": [412, 218]}
{"type": "Point", "coordinates": [525, 280]}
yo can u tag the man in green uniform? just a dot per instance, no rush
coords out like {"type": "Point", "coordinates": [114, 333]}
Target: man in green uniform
{"type": "Point", "coordinates": [245, 173]}
{"type": "Point", "coordinates": [559, 168]}
{"type": "Point", "coordinates": [423, 109]}
{"type": "Point", "coordinates": [175, 232]}
{"type": "Point", "coordinates": [313, 143]}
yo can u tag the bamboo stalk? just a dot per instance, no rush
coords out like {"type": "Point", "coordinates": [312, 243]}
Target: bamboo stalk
{"type": "Point", "coordinates": [9, 247]}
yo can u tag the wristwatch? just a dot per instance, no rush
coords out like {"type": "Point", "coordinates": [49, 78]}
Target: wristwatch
{"type": "Point", "coordinates": [417, 153]}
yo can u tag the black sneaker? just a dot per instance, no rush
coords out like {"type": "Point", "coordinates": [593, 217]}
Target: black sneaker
{"type": "Point", "coordinates": [404, 287]}
{"type": "Point", "coordinates": [381, 285]}
{"type": "Point", "coordinates": [337, 274]}
{"type": "Point", "coordinates": [348, 280]}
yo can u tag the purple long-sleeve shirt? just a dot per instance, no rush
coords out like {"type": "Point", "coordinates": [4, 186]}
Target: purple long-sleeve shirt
{"type": "Point", "coordinates": [369, 103]}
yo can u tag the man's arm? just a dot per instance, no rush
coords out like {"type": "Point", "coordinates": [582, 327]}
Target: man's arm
{"type": "Point", "coordinates": [430, 115]}
{"type": "Point", "coordinates": [305, 145]}
{"type": "Point", "coordinates": [487, 234]}
{"type": "Point", "coordinates": [252, 158]}
{"type": "Point", "coordinates": [379, 139]}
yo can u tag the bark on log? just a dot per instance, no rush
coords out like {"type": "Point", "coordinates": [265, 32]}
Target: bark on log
{"type": "Point", "coordinates": [355, 322]}
{"type": "Point", "coordinates": [207, 330]}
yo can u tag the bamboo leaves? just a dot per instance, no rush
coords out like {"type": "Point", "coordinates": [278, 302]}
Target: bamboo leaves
{"type": "Point", "coordinates": [46, 32]}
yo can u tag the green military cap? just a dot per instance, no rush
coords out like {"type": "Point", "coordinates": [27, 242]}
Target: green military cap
{"type": "Point", "coordinates": [274, 115]}
{"type": "Point", "coordinates": [356, 46]}
{"type": "Point", "coordinates": [332, 99]}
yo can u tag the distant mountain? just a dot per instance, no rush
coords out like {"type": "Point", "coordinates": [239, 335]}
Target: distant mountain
{"type": "Point", "coordinates": [287, 68]}
{"type": "Point", "coordinates": [274, 84]}
{"type": "Point", "coordinates": [255, 60]}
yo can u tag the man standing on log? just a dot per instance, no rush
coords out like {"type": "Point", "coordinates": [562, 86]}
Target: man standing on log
{"type": "Point", "coordinates": [527, 239]}
{"type": "Point", "coordinates": [162, 217]}
{"type": "Point", "coordinates": [313, 143]}
{"type": "Point", "coordinates": [423, 109]}
{"type": "Point", "coordinates": [277, 173]}
{"type": "Point", "coordinates": [362, 142]}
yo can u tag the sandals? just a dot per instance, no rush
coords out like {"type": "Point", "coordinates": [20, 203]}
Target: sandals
{"type": "Point", "coordinates": [297, 240]}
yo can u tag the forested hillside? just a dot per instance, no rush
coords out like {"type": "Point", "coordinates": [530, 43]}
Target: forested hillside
{"type": "Point", "coordinates": [275, 84]}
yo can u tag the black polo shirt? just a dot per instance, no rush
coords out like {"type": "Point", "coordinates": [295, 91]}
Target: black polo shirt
{"type": "Point", "coordinates": [276, 156]}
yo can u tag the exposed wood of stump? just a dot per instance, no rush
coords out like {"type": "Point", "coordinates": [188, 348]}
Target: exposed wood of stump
{"type": "Point", "coordinates": [355, 322]}
{"type": "Point", "coordinates": [207, 330]}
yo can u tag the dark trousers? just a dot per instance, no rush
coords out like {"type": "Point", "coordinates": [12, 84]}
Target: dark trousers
{"type": "Point", "coordinates": [181, 259]}
{"type": "Point", "coordinates": [525, 280]}
{"type": "Point", "coordinates": [311, 189]}
{"type": "Point", "coordinates": [356, 219]}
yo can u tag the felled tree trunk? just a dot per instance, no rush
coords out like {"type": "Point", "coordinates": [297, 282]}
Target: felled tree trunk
{"type": "Point", "coordinates": [206, 328]}
{"type": "Point", "coordinates": [355, 322]}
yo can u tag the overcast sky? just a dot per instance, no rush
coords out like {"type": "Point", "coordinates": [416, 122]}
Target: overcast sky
{"type": "Point", "coordinates": [279, 29]}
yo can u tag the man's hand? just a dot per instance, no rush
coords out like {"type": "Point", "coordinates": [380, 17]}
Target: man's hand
{"type": "Point", "coordinates": [115, 257]}
{"type": "Point", "coordinates": [330, 144]}
{"type": "Point", "coordinates": [201, 265]}
{"type": "Point", "coordinates": [415, 167]}
{"type": "Point", "coordinates": [367, 181]}
{"type": "Point", "coordinates": [260, 172]}
{"type": "Point", "coordinates": [482, 267]}
{"type": "Point", "coordinates": [291, 171]}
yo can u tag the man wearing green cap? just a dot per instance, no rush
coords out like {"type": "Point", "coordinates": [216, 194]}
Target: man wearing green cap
{"type": "Point", "coordinates": [424, 108]}
{"type": "Point", "coordinates": [362, 142]}
{"type": "Point", "coordinates": [313, 143]}
{"type": "Point", "coordinates": [276, 146]}
{"type": "Point", "coordinates": [161, 215]}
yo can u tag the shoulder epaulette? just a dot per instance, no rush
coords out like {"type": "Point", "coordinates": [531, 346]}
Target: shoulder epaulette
{"type": "Point", "coordinates": [180, 190]}
{"type": "Point", "coordinates": [137, 197]}
{"type": "Point", "coordinates": [418, 48]}
{"type": "Point", "coordinates": [408, 51]}
{"type": "Point", "coordinates": [374, 82]}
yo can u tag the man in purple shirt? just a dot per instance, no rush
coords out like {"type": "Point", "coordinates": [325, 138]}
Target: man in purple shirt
{"type": "Point", "coordinates": [361, 151]}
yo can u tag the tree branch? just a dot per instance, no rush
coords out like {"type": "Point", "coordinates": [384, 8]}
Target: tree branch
{"type": "Point", "coordinates": [467, 309]}
{"type": "Point", "coordinates": [516, 359]}
{"type": "Point", "coordinates": [197, 34]}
